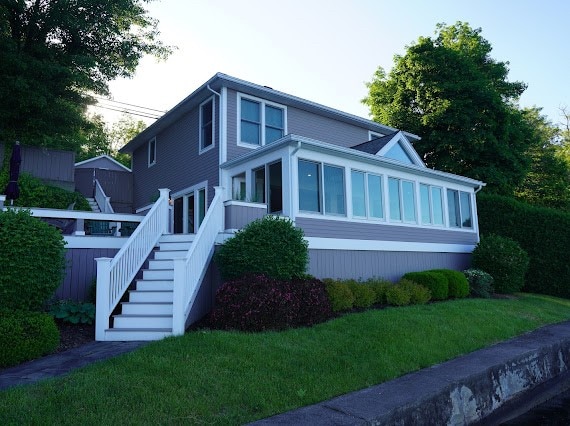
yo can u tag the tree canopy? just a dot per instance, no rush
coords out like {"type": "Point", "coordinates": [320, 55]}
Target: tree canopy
{"type": "Point", "coordinates": [55, 53]}
{"type": "Point", "coordinates": [451, 92]}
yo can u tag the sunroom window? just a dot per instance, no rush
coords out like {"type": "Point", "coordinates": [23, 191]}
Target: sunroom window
{"type": "Point", "coordinates": [431, 204]}
{"type": "Point", "coordinates": [402, 200]}
{"type": "Point", "coordinates": [367, 195]}
{"type": "Point", "coordinates": [321, 185]}
{"type": "Point", "coordinates": [459, 209]}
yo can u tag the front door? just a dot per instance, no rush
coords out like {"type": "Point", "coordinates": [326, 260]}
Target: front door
{"type": "Point", "coordinates": [189, 211]}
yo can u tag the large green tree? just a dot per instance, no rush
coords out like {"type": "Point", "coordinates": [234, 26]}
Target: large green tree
{"type": "Point", "coordinates": [55, 53]}
{"type": "Point", "coordinates": [452, 93]}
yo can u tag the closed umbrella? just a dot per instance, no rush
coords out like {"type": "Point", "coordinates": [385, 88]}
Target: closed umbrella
{"type": "Point", "coordinates": [12, 191]}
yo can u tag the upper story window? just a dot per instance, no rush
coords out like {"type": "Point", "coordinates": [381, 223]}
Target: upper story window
{"type": "Point", "coordinates": [260, 122]}
{"type": "Point", "coordinates": [459, 209]}
{"type": "Point", "coordinates": [207, 124]}
{"type": "Point", "coordinates": [152, 152]}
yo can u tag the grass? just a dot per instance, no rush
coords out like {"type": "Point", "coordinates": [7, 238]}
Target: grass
{"type": "Point", "coordinates": [214, 377]}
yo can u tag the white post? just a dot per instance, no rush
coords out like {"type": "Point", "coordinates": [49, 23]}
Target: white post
{"type": "Point", "coordinates": [219, 190]}
{"type": "Point", "coordinates": [178, 317]}
{"type": "Point", "coordinates": [2, 201]}
{"type": "Point", "coordinates": [102, 304]}
{"type": "Point", "coordinates": [80, 227]}
{"type": "Point", "coordinates": [164, 192]}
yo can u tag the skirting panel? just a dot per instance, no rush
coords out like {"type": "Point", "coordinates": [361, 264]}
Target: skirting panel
{"type": "Point", "coordinates": [385, 264]}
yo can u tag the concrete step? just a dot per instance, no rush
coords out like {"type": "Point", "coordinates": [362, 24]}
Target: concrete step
{"type": "Point", "coordinates": [158, 274]}
{"type": "Point", "coordinates": [142, 321]}
{"type": "Point", "coordinates": [150, 296]}
{"type": "Point", "coordinates": [130, 334]}
{"type": "Point", "coordinates": [146, 308]}
{"type": "Point", "coordinates": [153, 285]}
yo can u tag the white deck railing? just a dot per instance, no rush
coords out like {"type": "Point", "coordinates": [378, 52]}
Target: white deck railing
{"type": "Point", "coordinates": [115, 275]}
{"type": "Point", "coordinates": [102, 200]}
{"type": "Point", "coordinates": [189, 271]}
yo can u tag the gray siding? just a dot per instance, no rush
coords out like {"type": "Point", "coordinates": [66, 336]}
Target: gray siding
{"type": "Point", "coordinates": [378, 231]}
{"type": "Point", "coordinates": [388, 265]}
{"type": "Point", "coordinates": [178, 164]}
{"type": "Point", "coordinates": [238, 217]}
{"type": "Point", "coordinates": [80, 271]}
{"type": "Point", "coordinates": [117, 184]}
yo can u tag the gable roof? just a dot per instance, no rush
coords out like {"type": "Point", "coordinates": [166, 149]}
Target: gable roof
{"type": "Point", "coordinates": [219, 80]}
{"type": "Point", "coordinates": [96, 162]}
{"type": "Point", "coordinates": [383, 145]}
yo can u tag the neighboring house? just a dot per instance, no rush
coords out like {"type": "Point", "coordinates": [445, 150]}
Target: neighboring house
{"type": "Point", "coordinates": [365, 200]}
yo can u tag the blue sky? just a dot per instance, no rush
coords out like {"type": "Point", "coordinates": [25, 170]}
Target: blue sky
{"type": "Point", "coordinates": [325, 50]}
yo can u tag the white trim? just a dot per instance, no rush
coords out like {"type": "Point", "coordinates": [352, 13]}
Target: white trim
{"type": "Point", "coordinates": [263, 103]}
{"type": "Point", "coordinates": [201, 149]}
{"type": "Point", "coordinates": [406, 146]}
{"type": "Point", "coordinates": [262, 206]}
{"type": "Point", "coordinates": [318, 243]}
{"type": "Point", "coordinates": [153, 139]}
{"type": "Point", "coordinates": [73, 242]}
{"type": "Point", "coordinates": [189, 189]}
{"type": "Point", "coordinates": [374, 135]}
{"type": "Point", "coordinates": [81, 163]}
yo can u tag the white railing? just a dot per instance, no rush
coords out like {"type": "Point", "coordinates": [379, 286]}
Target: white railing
{"type": "Point", "coordinates": [115, 275]}
{"type": "Point", "coordinates": [189, 271]}
{"type": "Point", "coordinates": [101, 198]}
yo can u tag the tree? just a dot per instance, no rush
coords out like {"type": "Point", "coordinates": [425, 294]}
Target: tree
{"type": "Point", "coordinates": [449, 91]}
{"type": "Point", "coordinates": [54, 53]}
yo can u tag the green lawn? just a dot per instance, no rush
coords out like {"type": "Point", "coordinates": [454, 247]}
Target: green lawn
{"type": "Point", "coordinates": [213, 377]}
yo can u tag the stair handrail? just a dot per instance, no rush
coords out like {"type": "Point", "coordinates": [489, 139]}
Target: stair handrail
{"type": "Point", "coordinates": [102, 200]}
{"type": "Point", "coordinates": [115, 275]}
{"type": "Point", "coordinates": [190, 270]}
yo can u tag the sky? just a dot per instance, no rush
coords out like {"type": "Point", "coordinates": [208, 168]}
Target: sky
{"type": "Point", "coordinates": [326, 50]}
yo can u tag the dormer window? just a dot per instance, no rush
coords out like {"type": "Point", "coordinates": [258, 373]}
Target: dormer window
{"type": "Point", "coordinates": [260, 122]}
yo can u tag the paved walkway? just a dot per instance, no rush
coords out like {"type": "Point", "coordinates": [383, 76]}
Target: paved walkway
{"type": "Point", "coordinates": [63, 362]}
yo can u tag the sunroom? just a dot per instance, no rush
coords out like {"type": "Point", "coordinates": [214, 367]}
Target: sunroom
{"type": "Point", "coordinates": [378, 191]}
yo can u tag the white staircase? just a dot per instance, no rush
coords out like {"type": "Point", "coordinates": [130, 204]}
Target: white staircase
{"type": "Point", "coordinates": [93, 204]}
{"type": "Point", "coordinates": [147, 315]}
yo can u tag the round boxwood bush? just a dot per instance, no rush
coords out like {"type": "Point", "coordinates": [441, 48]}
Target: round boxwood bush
{"type": "Point", "coordinates": [270, 246]}
{"type": "Point", "coordinates": [340, 295]}
{"type": "Point", "coordinates": [26, 335]}
{"type": "Point", "coordinates": [457, 283]}
{"type": "Point", "coordinates": [258, 303]}
{"type": "Point", "coordinates": [480, 283]}
{"type": "Point", "coordinates": [504, 260]}
{"type": "Point", "coordinates": [32, 255]}
{"type": "Point", "coordinates": [435, 282]}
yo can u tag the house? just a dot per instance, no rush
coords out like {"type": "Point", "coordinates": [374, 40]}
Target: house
{"type": "Point", "coordinates": [233, 151]}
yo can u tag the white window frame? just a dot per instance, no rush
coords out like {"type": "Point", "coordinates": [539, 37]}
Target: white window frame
{"type": "Point", "coordinates": [368, 216]}
{"type": "Point", "coordinates": [322, 200]}
{"type": "Point", "coordinates": [151, 159]}
{"type": "Point", "coordinates": [202, 149]}
{"type": "Point", "coordinates": [401, 200]}
{"type": "Point", "coordinates": [262, 103]}
{"type": "Point", "coordinates": [471, 207]}
{"type": "Point", "coordinates": [431, 204]}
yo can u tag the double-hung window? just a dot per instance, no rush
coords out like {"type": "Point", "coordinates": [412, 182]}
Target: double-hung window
{"type": "Point", "coordinates": [431, 204]}
{"type": "Point", "coordinates": [459, 209]}
{"type": "Point", "coordinates": [402, 200]}
{"type": "Point", "coordinates": [321, 188]}
{"type": "Point", "coordinates": [207, 124]}
{"type": "Point", "coordinates": [261, 122]}
{"type": "Point", "coordinates": [367, 195]}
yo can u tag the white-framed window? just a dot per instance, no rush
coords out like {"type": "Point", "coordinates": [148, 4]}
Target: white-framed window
{"type": "Point", "coordinates": [431, 204]}
{"type": "Point", "coordinates": [207, 124]}
{"type": "Point", "coordinates": [152, 152]}
{"type": "Point", "coordinates": [238, 187]}
{"type": "Point", "coordinates": [321, 188]}
{"type": "Point", "coordinates": [402, 198]}
{"type": "Point", "coordinates": [459, 209]}
{"type": "Point", "coordinates": [189, 210]}
{"type": "Point", "coordinates": [367, 198]}
{"type": "Point", "coordinates": [260, 122]}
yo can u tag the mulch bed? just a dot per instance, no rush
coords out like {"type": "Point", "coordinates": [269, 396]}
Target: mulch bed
{"type": "Point", "coordinates": [74, 335]}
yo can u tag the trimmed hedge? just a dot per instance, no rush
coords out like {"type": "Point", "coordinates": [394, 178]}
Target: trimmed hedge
{"type": "Point", "coordinates": [258, 303]}
{"type": "Point", "coordinates": [32, 255]}
{"type": "Point", "coordinates": [26, 335]}
{"type": "Point", "coordinates": [457, 283]}
{"type": "Point", "coordinates": [435, 282]}
{"type": "Point", "coordinates": [542, 232]}
{"type": "Point", "coordinates": [504, 260]}
{"type": "Point", "coordinates": [270, 246]}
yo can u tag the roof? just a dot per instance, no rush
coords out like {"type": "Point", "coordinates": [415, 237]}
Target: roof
{"type": "Point", "coordinates": [102, 158]}
{"type": "Point", "coordinates": [374, 145]}
{"type": "Point", "coordinates": [219, 80]}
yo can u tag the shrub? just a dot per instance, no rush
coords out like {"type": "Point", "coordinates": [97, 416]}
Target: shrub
{"type": "Point", "coordinates": [32, 256]}
{"type": "Point", "coordinates": [26, 335]}
{"type": "Point", "coordinates": [538, 231]}
{"type": "Point", "coordinates": [364, 296]}
{"type": "Point", "coordinates": [480, 283]}
{"type": "Point", "coordinates": [419, 295]}
{"type": "Point", "coordinates": [271, 246]}
{"type": "Point", "coordinates": [340, 295]}
{"type": "Point", "coordinates": [257, 303]}
{"type": "Point", "coordinates": [435, 282]}
{"type": "Point", "coordinates": [379, 286]}
{"type": "Point", "coordinates": [457, 283]}
{"type": "Point", "coordinates": [504, 260]}
{"type": "Point", "coordinates": [73, 312]}
{"type": "Point", "coordinates": [398, 295]}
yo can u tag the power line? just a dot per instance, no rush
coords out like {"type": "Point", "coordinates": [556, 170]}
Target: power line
{"type": "Point", "coordinates": [128, 111]}
{"type": "Point", "coordinates": [125, 103]}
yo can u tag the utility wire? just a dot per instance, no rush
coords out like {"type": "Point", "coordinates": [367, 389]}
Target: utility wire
{"type": "Point", "coordinates": [128, 111]}
{"type": "Point", "coordinates": [131, 105]}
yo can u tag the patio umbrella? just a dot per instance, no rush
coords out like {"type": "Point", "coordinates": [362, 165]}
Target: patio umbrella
{"type": "Point", "coordinates": [12, 191]}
